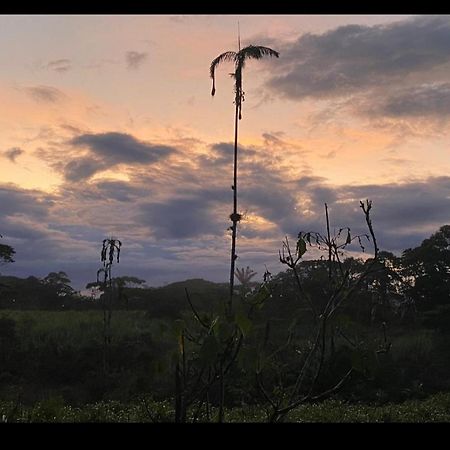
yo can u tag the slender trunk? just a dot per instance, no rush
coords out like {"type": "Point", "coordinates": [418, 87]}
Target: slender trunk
{"type": "Point", "coordinates": [178, 394]}
{"type": "Point", "coordinates": [221, 395]}
{"type": "Point", "coordinates": [180, 386]}
{"type": "Point", "coordinates": [235, 213]}
{"type": "Point", "coordinates": [105, 338]}
{"type": "Point", "coordinates": [328, 243]}
{"type": "Point", "coordinates": [330, 263]}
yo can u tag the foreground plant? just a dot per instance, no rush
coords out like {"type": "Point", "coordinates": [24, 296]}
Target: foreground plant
{"type": "Point", "coordinates": [110, 251]}
{"type": "Point", "coordinates": [320, 348]}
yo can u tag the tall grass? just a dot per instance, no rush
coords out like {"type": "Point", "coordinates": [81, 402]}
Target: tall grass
{"type": "Point", "coordinates": [435, 408]}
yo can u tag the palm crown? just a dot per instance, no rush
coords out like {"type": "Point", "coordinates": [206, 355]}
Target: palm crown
{"type": "Point", "coordinates": [239, 58]}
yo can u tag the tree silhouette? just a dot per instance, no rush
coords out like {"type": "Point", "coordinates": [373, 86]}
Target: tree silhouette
{"type": "Point", "coordinates": [6, 253]}
{"type": "Point", "coordinates": [239, 59]}
{"type": "Point", "coordinates": [429, 266]}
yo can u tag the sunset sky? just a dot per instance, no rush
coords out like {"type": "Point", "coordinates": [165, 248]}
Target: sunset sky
{"type": "Point", "coordinates": [108, 127]}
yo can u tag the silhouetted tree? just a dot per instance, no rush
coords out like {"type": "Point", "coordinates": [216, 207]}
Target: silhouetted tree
{"type": "Point", "coordinates": [239, 59]}
{"type": "Point", "coordinates": [6, 253]}
{"type": "Point", "coordinates": [428, 266]}
{"type": "Point", "coordinates": [59, 282]}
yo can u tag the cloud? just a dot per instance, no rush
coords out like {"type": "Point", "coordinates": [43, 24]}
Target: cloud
{"type": "Point", "coordinates": [354, 58]}
{"type": "Point", "coordinates": [110, 149]}
{"type": "Point", "coordinates": [17, 228]}
{"type": "Point", "coordinates": [273, 140]}
{"type": "Point", "coordinates": [432, 100]}
{"type": "Point", "coordinates": [116, 148]}
{"type": "Point", "coordinates": [13, 153]}
{"type": "Point", "coordinates": [44, 94]}
{"type": "Point", "coordinates": [59, 65]}
{"type": "Point", "coordinates": [408, 205]}
{"type": "Point", "coordinates": [120, 190]}
{"type": "Point", "coordinates": [173, 217]}
{"type": "Point", "coordinates": [82, 168]}
{"type": "Point", "coordinates": [403, 213]}
{"type": "Point", "coordinates": [16, 201]}
{"type": "Point", "coordinates": [181, 218]}
{"type": "Point", "coordinates": [135, 59]}
{"type": "Point", "coordinates": [184, 235]}
{"type": "Point", "coordinates": [220, 156]}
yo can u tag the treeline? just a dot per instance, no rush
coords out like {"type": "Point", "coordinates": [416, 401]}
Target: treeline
{"type": "Point", "coordinates": [418, 280]}
{"type": "Point", "coordinates": [54, 293]}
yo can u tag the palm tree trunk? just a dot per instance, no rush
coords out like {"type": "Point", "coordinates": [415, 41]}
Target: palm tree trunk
{"type": "Point", "coordinates": [235, 213]}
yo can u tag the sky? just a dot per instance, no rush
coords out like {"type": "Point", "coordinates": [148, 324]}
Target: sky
{"type": "Point", "coordinates": [108, 128]}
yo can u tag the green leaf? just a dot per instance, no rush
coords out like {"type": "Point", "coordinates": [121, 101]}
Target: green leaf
{"type": "Point", "coordinates": [214, 322]}
{"type": "Point", "coordinates": [301, 247]}
{"type": "Point", "coordinates": [349, 238]}
{"type": "Point", "coordinates": [260, 297]}
{"type": "Point", "coordinates": [243, 322]}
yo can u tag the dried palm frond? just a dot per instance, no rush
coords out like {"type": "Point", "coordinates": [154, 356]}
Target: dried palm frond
{"type": "Point", "coordinates": [239, 58]}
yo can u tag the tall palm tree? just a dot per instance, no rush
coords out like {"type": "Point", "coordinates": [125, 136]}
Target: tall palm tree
{"type": "Point", "coordinates": [239, 58]}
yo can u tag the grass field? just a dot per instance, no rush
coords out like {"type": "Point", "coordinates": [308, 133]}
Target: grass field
{"type": "Point", "coordinates": [435, 408]}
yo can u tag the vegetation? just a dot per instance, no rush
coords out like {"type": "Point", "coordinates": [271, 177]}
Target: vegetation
{"type": "Point", "coordinates": [170, 347]}
{"type": "Point", "coordinates": [54, 409]}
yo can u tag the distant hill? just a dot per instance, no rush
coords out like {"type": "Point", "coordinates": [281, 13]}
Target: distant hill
{"type": "Point", "coordinates": [194, 284]}
{"type": "Point", "coordinates": [170, 300]}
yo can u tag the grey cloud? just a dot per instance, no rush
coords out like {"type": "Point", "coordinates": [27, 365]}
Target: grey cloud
{"type": "Point", "coordinates": [117, 148]}
{"type": "Point", "coordinates": [13, 153]}
{"type": "Point", "coordinates": [309, 180]}
{"type": "Point", "coordinates": [403, 214]}
{"type": "Point", "coordinates": [355, 57]}
{"type": "Point", "coordinates": [59, 65]}
{"type": "Point", "coordinates": [44, 94]}
{"type": "Point", "coordinates": [273, 139]}
{"type": "Point", "coordinates": [87, 233]}
{"type": "Point", "coordinates": [46, 238]}
{"type": "Point", "coordinates": [120, 190]}
{"type": "Point", "coordinates": [409, 205]}
{"type": "Point", "coordinates": [17, 229]}
{"type": "Point", "coordinates": [110, 149]}
{"type": "Point", "coordinates": [424, 100]}
{"type": "Point", "coordinates": [135, 59]}
{"type": "Point", "coordinates": [181, 218]}
{"type": "Point", "coordinates": [276, 205]}
{"type": "Point", "coordinates": [82, 168]}
{"type": "Point", "coordinates": [15, 201]}
{"type": "Point", "coordinates": [221, 156]}
{"type": "Point", "coordinates": [71, 128]}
